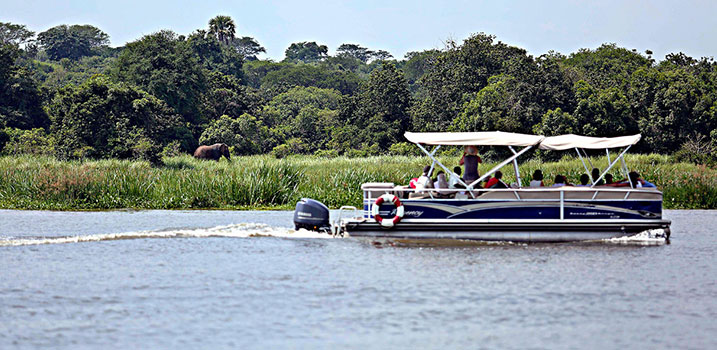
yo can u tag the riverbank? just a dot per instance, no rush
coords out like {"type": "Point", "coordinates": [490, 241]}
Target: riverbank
{"type": "Point", "coordinates": [263, 182]}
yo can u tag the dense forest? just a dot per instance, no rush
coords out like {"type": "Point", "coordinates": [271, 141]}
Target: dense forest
{"type": "Point", "coordinates": [66, 92]}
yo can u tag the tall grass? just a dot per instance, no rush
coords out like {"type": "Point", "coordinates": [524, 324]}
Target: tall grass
{"type": "Point", "coordinates": [34, 182]}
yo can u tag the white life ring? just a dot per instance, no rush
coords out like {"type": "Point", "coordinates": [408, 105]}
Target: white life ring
{"type": "Point", "coordinates": [399, 210]}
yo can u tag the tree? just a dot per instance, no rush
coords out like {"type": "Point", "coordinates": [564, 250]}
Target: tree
{"type": "Point", "coordinates": [382, 55]}
{"type": "Point", "coordinates": [214, 56]}
{"type": "Point", "coordinates": [670, 118]}
{"type": "Point", "coordinates": [165, 66]}
{"type": "Point", "coordinates": [607, 66]}
{"type": "Point", "coordinates": [223, 28]}
{"type": "Point", "coordinates": [416, 64]}
{"type": "Point", "coordinates": [310, 75]}
{"type": "Point", "coordinates": [603, 112]}
{"type": "Point", "coordinates": [556, 122]}
{"type": "Point", "coordinates": [460, 70]}
{"type": "Point", "coordinates": [20, 97]}
{"type": "Point", "coordinates": [71, 42]}
{"type": "Point", "coordinates": [16, 34]}
{"type": "Point", "coordinates": [245, 134]}
{"type": "Point", "coordinates": [306, 52]}
{"type": "Point", "coordinates": [495, 107]}
{"type": "Point", "coordinates": [354, 51]}
{"type": "Point", "coordinates": [226, 96]}
{"type": "Point", "coordinates": [381, 109]}
{"type": "Point", "coordinates": [305, 114]}
{"type": "Point", "coordinates": [101, 119]}
{"type": "Point", "coordinates": [248, 47]}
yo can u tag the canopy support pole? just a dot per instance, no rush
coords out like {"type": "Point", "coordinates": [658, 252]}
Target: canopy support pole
{"type": "Point", "coordinates": [607, 151]}
{"type": "Point", "coordinates": [588, 158]}
{"type": "Point", "coordinates": [435, 161]}
{"type": "Point", "coordinates": [612, 165]}
{"type": "Point", "coordinates": [433, 164]}
{"type": "Point", "coordinates": [497, 167]}
{"type": "Point", "coordinates": [584, 166]}
{"type": "Point", "coordinates": [626, 172]}
{"type": "Point", "coordinates": [515, 166]}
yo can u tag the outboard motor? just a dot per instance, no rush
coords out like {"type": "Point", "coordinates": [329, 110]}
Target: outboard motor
{"type": "Point", "coordinates": [311, 215]}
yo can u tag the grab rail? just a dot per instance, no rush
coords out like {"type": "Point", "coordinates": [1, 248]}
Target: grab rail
{"type": "Point", "coordinates": [336, 229]}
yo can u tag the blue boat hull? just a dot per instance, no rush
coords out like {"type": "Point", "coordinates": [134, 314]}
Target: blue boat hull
{"type": "Point", "coordinates": [520, 221]}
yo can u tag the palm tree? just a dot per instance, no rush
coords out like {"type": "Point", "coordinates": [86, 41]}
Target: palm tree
{"type": "Point", "coordinates": [223, 28]}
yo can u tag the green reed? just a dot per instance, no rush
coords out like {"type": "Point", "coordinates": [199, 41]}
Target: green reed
{"type": "Point", "coordinates": [263, 182]}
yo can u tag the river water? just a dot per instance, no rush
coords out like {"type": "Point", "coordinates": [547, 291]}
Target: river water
{"type": "Point", "coordinates": [223, 279]}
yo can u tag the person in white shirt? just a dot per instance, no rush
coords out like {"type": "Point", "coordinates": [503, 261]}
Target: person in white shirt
{"type": "Point", "coordinates": [537, 179]}
{"type": "Point", "coordinates": [424, 181]}
{"type": "Point", "coordinates": [454, 181]}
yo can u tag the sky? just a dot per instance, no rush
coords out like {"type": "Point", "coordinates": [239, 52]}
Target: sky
{"type": "Point", "coordinates": [662, 26]}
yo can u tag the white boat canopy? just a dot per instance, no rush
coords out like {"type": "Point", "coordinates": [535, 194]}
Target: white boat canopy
{"type": "Point", "coordinates": [483, 138]}
{"type": "Point", "coordinates": [498, 138]}
{"type": "Point", "coordinates": [563, 142]}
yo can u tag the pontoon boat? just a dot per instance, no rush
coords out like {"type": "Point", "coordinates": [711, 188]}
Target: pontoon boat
{"type": "Point", "coordinates": [520, 214]}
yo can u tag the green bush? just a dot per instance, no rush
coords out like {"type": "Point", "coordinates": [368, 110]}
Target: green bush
{"type": "Point", "coordinates": [281, 151]}
{"type": "Point", "coordinates": [35, 141]}
{"type": "Point", "coordinates": [327, 153]}
{"type": "Point", "coordinates": [697, 150]}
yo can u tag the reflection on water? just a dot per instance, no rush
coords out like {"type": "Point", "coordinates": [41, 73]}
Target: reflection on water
{"type": "Point", "coordinates": [213, 279]}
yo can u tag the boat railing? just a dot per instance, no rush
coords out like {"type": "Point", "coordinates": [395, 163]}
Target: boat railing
{"type": "Point", "coordinates": [524, 194]}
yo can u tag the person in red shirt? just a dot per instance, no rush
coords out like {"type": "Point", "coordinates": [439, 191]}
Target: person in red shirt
{"type": "Point", "coordinates": [495, 181]}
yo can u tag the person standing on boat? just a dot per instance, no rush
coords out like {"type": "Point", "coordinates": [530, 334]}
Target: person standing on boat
{"type": "Point", "coordinates": [470, 162]}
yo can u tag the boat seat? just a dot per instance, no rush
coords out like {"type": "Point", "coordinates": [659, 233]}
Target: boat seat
{"type": "Point", "coordinates": [402, 191]}
{"type": "Point", "coordinates": [498, 195]}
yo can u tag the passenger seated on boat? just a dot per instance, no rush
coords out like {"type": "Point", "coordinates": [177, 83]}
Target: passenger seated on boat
{"type": "Point", "coordinates": [413, 182]}
{"type": "Point", "coordinates": [596, 175]}
{"type": "Point", "coordinates": [584, 179]}
{"type": "Point", "coordinates": [441, 180]}
{"type": "Point", "coordinates": [495, 181]}
{"type": "Point", "coordinates": [608, 179]}
{"type": "Point", "coordinates": [454, 181]}
{"type": "Point", "coordinates": [559, 181]}
{"type": "Point", "coordinates": [646, 183]}
{"type": "Point", "coordinates": [424, 181]}
{"type": "Point", "coordinates": [633, 180]}
{"type": "Point", "coordinates": [537, 179]}
{"type": "Point", "coordinates": [637, 181]}
{"type": "Point", "coordinates": [470, 162]}
{"type": "Point", "coordinates": [441, 183]}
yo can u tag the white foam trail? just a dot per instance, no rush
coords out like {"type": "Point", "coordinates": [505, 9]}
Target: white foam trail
{"type": "Point", "coordinates": [234, 231]}
{"type": "Point", "coordinates": [649, 237]}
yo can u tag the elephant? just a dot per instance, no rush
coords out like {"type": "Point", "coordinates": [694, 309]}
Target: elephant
{"type": "Point", "coordinates": [214, 151]}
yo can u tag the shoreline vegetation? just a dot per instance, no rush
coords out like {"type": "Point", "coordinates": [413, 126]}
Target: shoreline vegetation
{"type": "Point", "coordinates": [264, 182]}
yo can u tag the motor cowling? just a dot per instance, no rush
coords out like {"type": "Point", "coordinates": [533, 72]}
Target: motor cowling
{"type": "Point", "coordinates": [311, 215]}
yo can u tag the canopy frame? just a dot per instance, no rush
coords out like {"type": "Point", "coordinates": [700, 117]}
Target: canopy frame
{"type": "Point", "coordinates": [612, 164]}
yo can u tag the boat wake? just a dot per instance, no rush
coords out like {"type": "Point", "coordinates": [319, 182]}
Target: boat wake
{"type": "Point", "coordinates": [244, 230]}
{"type": "Point", "coordinates": [648, 237]}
